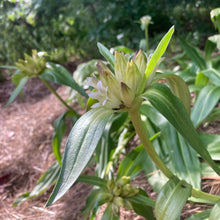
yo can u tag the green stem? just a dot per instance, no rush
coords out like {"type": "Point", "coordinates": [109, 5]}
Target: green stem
{"type": "Point", "coordinates": [140, 129]}
{"type": "Point", "coordinates": [146, 38]}
{"type": "Point", "coordinates": [57, 95]}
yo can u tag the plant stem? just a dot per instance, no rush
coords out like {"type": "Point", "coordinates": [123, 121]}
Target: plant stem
{"type": "Point", "coordinates": [139, 127]}
{"type": "Point", "coordinates": [57, 95]}
{"type": "Point", "coordinates": [146, 38]}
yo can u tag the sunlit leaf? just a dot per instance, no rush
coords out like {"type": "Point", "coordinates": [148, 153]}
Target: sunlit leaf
{"type": "Point", "coordinates": [213, 75]}
{"type": "Point", "coordinates": [158, 53]}
{"type": "Point", "coordinates": [107, 54]}
{"type": "Point", "coordinates": [80, 146]}
{"type": "Point", "coordinates": [173, 109]}
{"type": "Point", "coordinates": [179, 88]}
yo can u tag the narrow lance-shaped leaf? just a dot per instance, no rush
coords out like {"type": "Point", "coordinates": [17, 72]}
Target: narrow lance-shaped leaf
{"type": "Point", "coordinates": [193, 54]}
{"type": "Point", "coordinates": [80, 146]}
{"type": "Point", "coordinates": [158, 53]}
{"type": "Point", "coordinates": [171, 199]}
{"type": "Point", "coordinates": [58, 74]}
{"type": "Point", "coordinates": [107, 54]}
{"type": "Point", "coordinates": [142, 204]}
{"type": "Point", "coordinates": [45, 181]}
{"type": "Point", "coordinates": [17, 90]}
{"type": "Point", "coordinates": [205, 103]}
{"type": "Point", "coordinates": [213, 75]}
{"type": "Point", "coordinates": [93, 180]}
{"type": "Point", "coordinates": [179, 88]}
{"type": "Point", "coordinates": [173, 109]}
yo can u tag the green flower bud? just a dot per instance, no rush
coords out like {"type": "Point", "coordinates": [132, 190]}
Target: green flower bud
{"type": "Point", "coordinates": [134, 191]}
{"type": "Point", "coordinates": [118, 201]}
{"type": "Point", "coordinates": [117, 190]}
{"type": "Point", "coordinates": [123, 181]}
{"type": "Point", "coordinates": [32, 66]}
{"type": "Point", "coordinates": [127, 95]}
{"type": "Point", "coordinates": [111, 185]}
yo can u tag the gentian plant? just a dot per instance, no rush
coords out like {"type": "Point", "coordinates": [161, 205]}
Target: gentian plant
{"type": "Point", "coordinates": [121, 86]}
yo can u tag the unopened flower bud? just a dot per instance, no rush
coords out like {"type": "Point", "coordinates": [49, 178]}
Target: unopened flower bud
{"type": "Point", "coordinates": [126, 189]}
{"type": "Point", "coordinates": [123, 180]}
{"type": "Point", "coordinates": [133, 191]}
{"type": "Point", "coordinates": [111, 185]}
{"type": "Point", "coordinates": [127, 95]}
{"type": "Point", "coordinates": [117, 190]}
{"type": "Point", "coordinates": [118, 201]}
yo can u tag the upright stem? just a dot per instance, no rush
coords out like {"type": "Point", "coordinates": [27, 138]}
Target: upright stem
{"type": "Point", "coordinates": [139, 127]}
{"type": "Point", "coordinates": [56, 94]}
{"type": "Point", "coordinates": [147, 38]}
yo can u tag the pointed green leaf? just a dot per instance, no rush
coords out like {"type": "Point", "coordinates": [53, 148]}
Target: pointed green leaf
{"type": "Point", "coordinates": [59, 131]}
{"type": "Point", "coordinates": [93, 180]}
{"type": "Point", "coordinates": [107, 54]}
{"type": "Point", "coordinates": [158, 53]}
{"type": "Point", "coordinates": [17, 90]}
{"type": "Point", "coordinates": [80, 146]}
{"type": "Point", "coordinates": [45, 181]}
{"type": "Point", "coordinates": [179, 88]}
{"type": "Point", "coordinates": [213, 75]}
{"type": "Point", "coordinates": [173, 109]}
{"type": "Point", "coordinates": [9, 67]}
{"type": "Point", "coordinates": [200, 216]}
{"type": "Point", "coordinates": [58, 74]}
{"type": "Point", "coordinates": [209, 49]}
{"type": "Point", "coordinates": [194, 54]}
{"type": "Point", "coordinates": [95, 199]}
{"type": "Point", "coordinates": [171, 199]}
{"type": "Point", "coordinates": [214, 115]}
{"type": "Point", "coordinates": [131, 165]}
{"type": "Point", "coordinates": [142, 204]}
{"type": "Point", "coordinates": [212, 142]}
{"type": "Point", "coordinates": [215, 213]}
{"type": "Point", "coordinates": [183, 160]}
{"type": "Point", "coordinates": [206, 101]}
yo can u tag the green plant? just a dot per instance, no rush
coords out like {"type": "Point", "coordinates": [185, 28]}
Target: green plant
{"type": "Point", "coordinates": [119, 89]}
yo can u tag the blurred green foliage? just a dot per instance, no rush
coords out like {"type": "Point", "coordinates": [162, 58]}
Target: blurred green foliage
{"type": "Point", "coordinates": [67, 27]}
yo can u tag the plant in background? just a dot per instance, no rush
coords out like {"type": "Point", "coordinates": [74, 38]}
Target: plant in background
{"type": "Point", "coordinates": [119, 87]}
{"type": "Point", "coordinates": [36, 66]}
{"type": "Point", "coordinates": [145, 22]}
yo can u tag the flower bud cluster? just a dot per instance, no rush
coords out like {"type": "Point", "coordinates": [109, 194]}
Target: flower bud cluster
{"type": "Point", "coordinates": [32, 65]}
{"type": "Point", "coordinates": [121, 190]}
{"type": "Point", "coordinates": [119, 90]}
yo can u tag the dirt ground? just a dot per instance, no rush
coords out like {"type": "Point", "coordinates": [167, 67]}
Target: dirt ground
{"type": "Point", "coordinates": [26, 129]}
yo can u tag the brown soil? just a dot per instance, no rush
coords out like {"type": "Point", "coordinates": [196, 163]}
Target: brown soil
{"type": "Point", "coordinates": [26, 153]}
